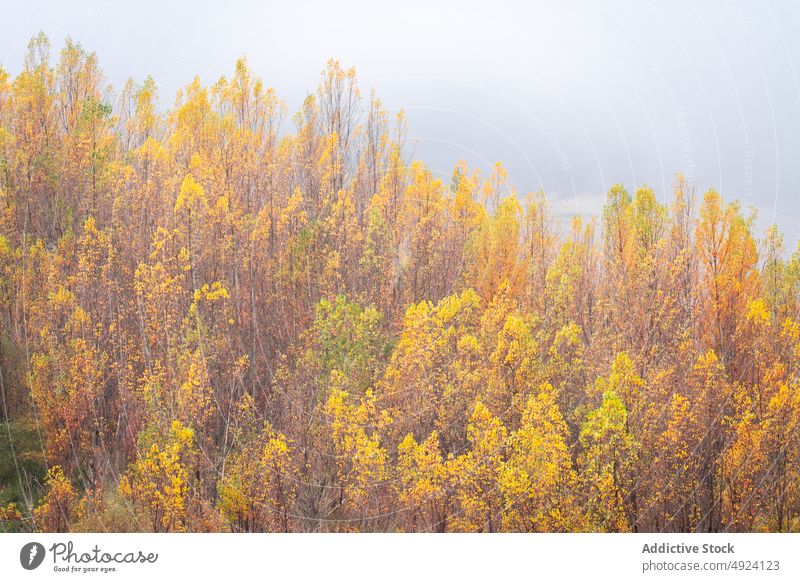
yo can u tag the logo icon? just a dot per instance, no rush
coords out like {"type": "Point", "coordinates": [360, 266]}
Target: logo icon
{"type": "Point", "coordinates": [31, 555]}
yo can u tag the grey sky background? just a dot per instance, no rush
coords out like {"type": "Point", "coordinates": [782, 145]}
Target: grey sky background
{"type": "Point", "coordinates": [572, 97]}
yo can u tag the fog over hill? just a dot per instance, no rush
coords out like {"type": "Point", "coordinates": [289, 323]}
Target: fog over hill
{"type": "Point", "coordinates": [571, 98]}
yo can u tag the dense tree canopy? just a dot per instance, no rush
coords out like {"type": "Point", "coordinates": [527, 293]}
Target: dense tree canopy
{"type": "Point", "coordinates": [214, 317]}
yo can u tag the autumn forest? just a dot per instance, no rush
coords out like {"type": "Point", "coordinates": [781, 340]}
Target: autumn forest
{"type": "Point", "coordinates": [220, 315]}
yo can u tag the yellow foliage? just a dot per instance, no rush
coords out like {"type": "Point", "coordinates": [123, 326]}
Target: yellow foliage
{"type": "Point", "coordinates": [58, 505]}
{"type": "Point", "coordinates": [191, 194]}
{"type": "Point", "coordinates": [158, 481]}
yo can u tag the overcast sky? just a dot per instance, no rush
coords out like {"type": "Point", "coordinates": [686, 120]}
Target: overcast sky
{"type": "Point", "coordinates": [571, 96]}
